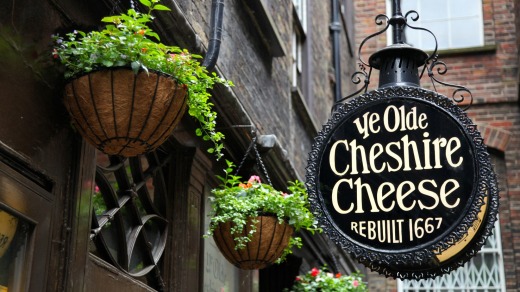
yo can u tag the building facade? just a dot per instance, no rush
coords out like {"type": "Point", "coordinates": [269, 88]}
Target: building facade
{"type": "Point", "coordinates": [289, 61]}
{"type": "Point", "coordinates": [478, 41]}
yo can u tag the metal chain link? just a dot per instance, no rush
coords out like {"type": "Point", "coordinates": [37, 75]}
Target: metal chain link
{"type": "Point", "coordinates": [117, 7]}
{"type": "Point", "coordinates": [258, 158]}
{"type": "Point", "coordinates": [261, 163]}
{"type": "Point", "coordinates": [253, 141]}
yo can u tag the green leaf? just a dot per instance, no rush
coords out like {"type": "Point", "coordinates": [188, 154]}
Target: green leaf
{"type": "Point", "coordinates": [146, 3]}
{"type": "Point", "coordinates": [108, 63]}
{"type": "Point", "coordinates": [161, 7]}
{"type": "Point", "coordinates": [109, 18]}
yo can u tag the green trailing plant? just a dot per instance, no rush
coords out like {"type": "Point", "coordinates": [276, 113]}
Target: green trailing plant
{"type": "Point", "coordinates": [235, 201]}
{"type": "Point", "coordinates": [128, 41]}
{"type": "Point", "coordinates": [321, 280]}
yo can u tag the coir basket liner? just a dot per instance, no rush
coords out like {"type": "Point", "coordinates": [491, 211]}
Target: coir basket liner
{"type": "Point", "coordinates": [265, 247]}
{"type": "Point", "coordinates": [122, 113]}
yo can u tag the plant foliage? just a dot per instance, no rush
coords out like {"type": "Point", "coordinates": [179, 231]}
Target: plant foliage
{"type": "Point", "coordinates": [127, 40]}
{"type": "Point", "coordinates": [236, 201]}
{"type": "Point", "coordinates": [320, 280]}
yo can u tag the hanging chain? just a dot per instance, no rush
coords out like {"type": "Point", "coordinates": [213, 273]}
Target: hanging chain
{"type": "Point", "coordinates": [253, 141]}
{"type": "Point", "coordinates": [258, 158]}
{"type": "Point", "coordinates": [117, 6]}
{"type": "Point", "coordinates": [261, 163]}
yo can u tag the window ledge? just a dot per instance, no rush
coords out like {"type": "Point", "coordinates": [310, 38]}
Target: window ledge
{"type": "Point", "coordinates": [303, 112]}
{"type": "Point", "coordinates": [465, 51]}
{"type": "Point", "coordinates": [266, 27]}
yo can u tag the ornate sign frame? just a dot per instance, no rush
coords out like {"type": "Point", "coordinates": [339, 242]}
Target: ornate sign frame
{"type": "Point", "coordinates": [462, 240]}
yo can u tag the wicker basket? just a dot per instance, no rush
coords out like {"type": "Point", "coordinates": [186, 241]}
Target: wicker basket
{"type": "Point", "coordinates": [266, 246]}
{"type": "Point", "coordinates": [122, 113]}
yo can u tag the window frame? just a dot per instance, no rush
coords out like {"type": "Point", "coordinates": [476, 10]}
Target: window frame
{"type": "Point", "coordinates": [30, 201]}
{"type": "Point", "coordinates": [439, 285]}
{"type": "Point", "coordinates": [420, 23]}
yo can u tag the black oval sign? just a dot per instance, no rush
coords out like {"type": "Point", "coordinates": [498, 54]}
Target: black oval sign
{"type": "Point", "coordinates": [398, 177]}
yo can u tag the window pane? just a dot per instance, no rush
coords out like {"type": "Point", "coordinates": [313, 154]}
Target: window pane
{"type": "Point", "coordinates": [433, 10]}
{"type": "Point", "coordinates": [441, 31]}
{"type": "Point", "coordinates": [464, 33]}
{"type": "Point", "coordinates": [463, 8]}
{"type": "Point", "coordinates": [13, 243]}
{"type": "Point", "coordinates": [456, 24]}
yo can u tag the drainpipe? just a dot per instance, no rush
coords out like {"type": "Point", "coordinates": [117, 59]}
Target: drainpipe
{"type": "Point", "coordinates": [217, 12]}
{"type": "Point", "coordinates": [335, 28]}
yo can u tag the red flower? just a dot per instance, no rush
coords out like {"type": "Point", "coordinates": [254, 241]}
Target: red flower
{"type": "Point", "coordinates": [143, 50]}
{"type": "Point", "coordinates": [315, 272]}
{"type": "Point", "coordinates": [55, 54]}
{"type": "Point", "coordinates": [141, 32]}
{"type": "Point", "coordinates": [338, 275]}
{"type": "Point", "coordinates": [298, 278]}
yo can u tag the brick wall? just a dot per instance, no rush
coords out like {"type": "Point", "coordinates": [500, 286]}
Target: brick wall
{"type": "Point", "coordinates": [263, 82]}
{"type": "Point", "coordinates": [492, 76]}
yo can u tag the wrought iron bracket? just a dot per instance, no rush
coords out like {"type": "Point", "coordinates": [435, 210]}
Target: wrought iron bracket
{"type": "Point", "coordinates": [431, 64]}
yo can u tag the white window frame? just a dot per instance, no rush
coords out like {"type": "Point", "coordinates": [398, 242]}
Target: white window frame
{"type": "Point", "coordinates": [460, 279]}
{"type": "Point", "coordinates": [297, 56]}
{"type": "Point", "coordinates": [297, 42]}
{"type": "Point", "coordinates": [452, 31]}
{"type": "Point", "coordinates": [301, 11]}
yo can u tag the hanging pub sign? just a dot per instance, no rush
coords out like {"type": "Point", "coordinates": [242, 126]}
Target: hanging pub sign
{"type": "Point", "coordinates": [399, 177]}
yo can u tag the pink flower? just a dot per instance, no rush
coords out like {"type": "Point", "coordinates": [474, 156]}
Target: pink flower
{"type": "Point", "coordinates": [96, 189]}
{"type": "Point", "coordinates": [355, 283]}
{"type": "Point", "coordinates": [298, 278]}
{"type": "Point", "coordinates": [284, 194]}
{"type": "Point", "coordinates": [254, 178]}
{"type": "Point", "coordinates": [315, 272]}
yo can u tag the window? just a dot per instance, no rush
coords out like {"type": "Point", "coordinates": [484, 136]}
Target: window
{"type": "Point", "coordinates": [297, 45]}
{"type": "Point", "coordinates": [129, 224]}
{"type": "Point", "coordinates": [456, 24]}
{"type": "Point", "coordinates": [484, 273]}
{"type": "Point", "coordinates": [297, 42]}
{"type": "Point", "coordinates": [14, 242]}
{"type": "Point", "coordinates": [301, 11]}
{"type": "Point", "coordinates": [26, 209]}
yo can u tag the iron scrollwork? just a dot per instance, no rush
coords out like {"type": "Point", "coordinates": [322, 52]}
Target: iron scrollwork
{"type": "Point", "coordinates": [461, 95]}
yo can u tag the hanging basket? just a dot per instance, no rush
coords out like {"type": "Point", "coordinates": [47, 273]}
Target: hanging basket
{"type": "Point", "coordinates": [122, 113]}
{"type": "Point", "coordinates": [265, 247]}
